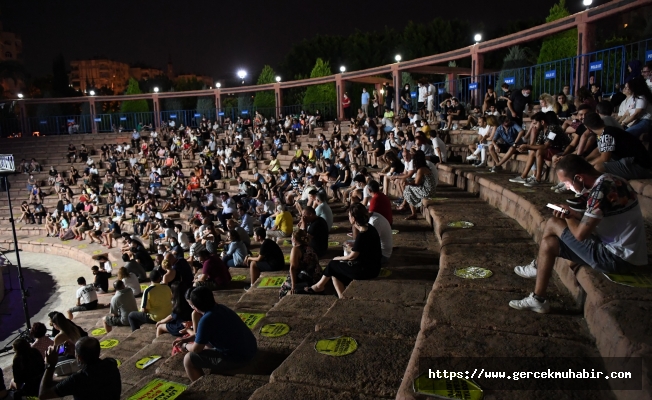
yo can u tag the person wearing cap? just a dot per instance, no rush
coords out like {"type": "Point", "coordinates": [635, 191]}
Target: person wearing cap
{"type": "Point", "coordinates": [283, 224]}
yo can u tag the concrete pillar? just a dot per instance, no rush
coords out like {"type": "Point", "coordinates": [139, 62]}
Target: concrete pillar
{"type": "Point", "coordinates": [24, 122]}
{"type": "Point", "coordinates": [477, 69]}
{"type": "Point", "coordinates": [157, 112]}
{"type": "Point", "coordinates": [339, 92]}
{"type": "Point", "coordinates": [91, 103]}
{"type": "Point", "coordinates": [585, 44]}
{"type": "Point", "coordinates": [278, 97]}
{"type": "Point", "coordinates": [218, 103]}
{"type": "Point", "coordinates": [396, 76]}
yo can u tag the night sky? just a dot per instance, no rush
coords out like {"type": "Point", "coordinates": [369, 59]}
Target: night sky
{"type": "Point", "coordinates": [216, 38]}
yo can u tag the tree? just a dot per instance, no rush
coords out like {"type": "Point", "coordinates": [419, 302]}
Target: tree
{"type": "Point", "coordinates": [561, 45]}
{"type": "Point", "coordinates": [134, 105]}
{"type": "Point", "coordinates": [324, 93]}
{"type": "Point", "coordinates": [513, 63]}
{"type": "Point", "coordinates": [206, 106]}
{"type": "Point", "coordinates": [265, 98]}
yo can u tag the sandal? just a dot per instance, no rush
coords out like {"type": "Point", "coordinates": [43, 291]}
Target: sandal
{"type": "Point", "coordinates": [310, 290]}
{"type": "Point", "coordinates": [411, 218]}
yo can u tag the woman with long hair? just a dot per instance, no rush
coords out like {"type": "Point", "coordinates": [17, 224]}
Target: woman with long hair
{"type": "Point", "coordinates": [305, 270]}
{"type": "Point", "coordinates": [27, 367]}
{"type": "Point", "coordinates": [363, 260]}
{"type": "Point", "coordinates": [562, 107]}
{"type": "Point", "coordinates": [639, 121]}
{"type": "Point", "coordinates": [181, 311]}
{"type": "Point", "coordinates": [423, 186]}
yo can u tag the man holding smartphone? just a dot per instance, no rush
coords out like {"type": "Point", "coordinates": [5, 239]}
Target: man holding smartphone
{"type": "Point", "coordinates": [609, 236]}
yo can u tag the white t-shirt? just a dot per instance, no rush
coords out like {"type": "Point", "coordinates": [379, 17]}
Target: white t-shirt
{"type": "Point", "coordinates": [183, 240]}
{"type": "Point", "coordinates": [642, 103]}
{"type": "Point", "coordinates": [107, 266]}
{"type": "Point", "coordinates": [132, 283]}
{"type": "Point", "coordinates": [415, 118]}
{"type": "Point", "coordinates": [546, 109]}
{"type": "Point", "coordinates": [431, 92]}
{"type": "Point", "coordinates": [626, 106]}
{"type": "Point", "coordinates": [483, 132]}
{"type": "Point", "coordinates": [437, 143]}
{"type": "Point", "coordinates": [423, 94]}
{"type": "Point", "coordinates": [384, 231]}
{"type": "Point", "coordinates": [86, 294]}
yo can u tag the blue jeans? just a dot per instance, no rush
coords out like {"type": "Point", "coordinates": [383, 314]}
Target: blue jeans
{"type": "Point", "coordinates": [641, 127]}
{"type": "Point", "coordinates": [591, 252]}
{"type": "Point", "coordinates": [269, 223]}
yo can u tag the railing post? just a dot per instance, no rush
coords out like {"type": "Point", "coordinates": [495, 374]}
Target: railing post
{"type": "Point", "coordinates": [339, 92]}
{"type": "Point", "coordinates": [91, 103]}
{"type": "Point", "coordinates": [585, 45]}
{"type": "Point", "coordinates": [397, 78]}
{"type": "Point", "coordinates": [477, 69]}
{"type": "Point", "coordinates": [157, 111]}
{"type": "Point", "coordinates": [24, 123]}
{"type": "Point", "coordinates": [278, 98]}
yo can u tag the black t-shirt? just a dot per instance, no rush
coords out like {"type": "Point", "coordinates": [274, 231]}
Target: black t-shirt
{"type": "Point", "coordinates": [102, 280]}
{"type": "Point", "coordinates": [98, 381]}
{"type": "Point", "coordinates": [623, 145]}
{"type": "Point", "coordinates": [462, 112]}
{"type": "Point", "coordinates": [28, 370]}
{"type": "Point", "coordinates": [318, 229]}
{"type": "Point", "coordinates": [378, 145]}
{"type": "Point", "coordinates": [368, 245]}
{"type": "Point", "coordinates": [398, 166]}
{"type": "Point", "coordinates": [519, 102]}
{"type": "Point", "coordinates": [272, 254]}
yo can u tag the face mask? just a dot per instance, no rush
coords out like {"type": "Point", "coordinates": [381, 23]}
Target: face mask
{"type": "Point", "coordinates": [161, 252]}
{"type": "Point", "coordinates": [526, 94]}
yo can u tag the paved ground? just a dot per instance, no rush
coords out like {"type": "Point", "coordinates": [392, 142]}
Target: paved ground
{"type": "Point", "coordinates": [56, 279]}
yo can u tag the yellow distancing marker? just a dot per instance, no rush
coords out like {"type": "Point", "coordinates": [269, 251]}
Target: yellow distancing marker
{"type": "Point", "coordinates": [238, 277]}
{"type": "Point", "coordinates": [143, 286]}
{"type": "Point", "coordinates": [384, 273]}
{"type": "Point", "coordinates": [275, 330]}
{"type": "Point", "coordinates": [147, 361]}
{"type": "Point", "coordinates": [159, 389]}
{"type": "Point", "coordinates": [633, 280]}
{"type": "Point", "coordinates": [82, 246]}
{"type": "Point", "coordinates": [98, 332]}
{"type": "Point", "coordinates": [473, 273]}
{"type": "Point", "coordinates": [251, 319]}
{"type": "Point", "coordinates": [109, 343]}
{"type": "Point", "coordinates": [338, 346]}
{"type": "Point", "coordinates": [461, 224]}
{"type": "Point", "coordinates": [333, 244]}
{"type": "Point", "coordinates": [270, 282]}
{"type": "Point", "coordinates": [454, 388]}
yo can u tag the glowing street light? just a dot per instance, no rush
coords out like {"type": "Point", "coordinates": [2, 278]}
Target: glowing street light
{"type": "Point", "coordinates": [587, 3]}
{"type": "Point", "coordinates": [278, 79]}
{"type": "Point", "coordinates": [218, 85]}
{"type": "Point", "coordinates": [20, 95]}
{"type": "Point", "coordinates": [398, 58]}
{"type": "Point", "coordinates": [342, 69]}
{"type": "Point", "coordinates": [92, 92]}
{"type": "Point", "coordinates": [156, 89]}
{"type": "Point", "coordinates": [242, 74]}
{"type": "Point", "coordinates": [477, 37]}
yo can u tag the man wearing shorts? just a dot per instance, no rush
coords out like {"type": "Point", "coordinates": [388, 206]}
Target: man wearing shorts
{"type": "Point", "coordinates": [232, 344]}
{"type": "Point", "coordinates": [270, 257]}
{"type": "Point", "coordinates": [551, 139]}
{"type": "Point", "coordinates": [122, 303]}
{"type": "Point", "coordinates": [511, 135]}
{"type": "Point", "coordinates": [608, 237]}
{"type": "Point", "coordinates": [618, 152]}
{"type": "Point", "coordinates": [86, 298]}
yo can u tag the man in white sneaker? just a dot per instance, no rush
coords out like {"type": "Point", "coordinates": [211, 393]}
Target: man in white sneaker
{"type": "Point", "coordinates": [609, 236]}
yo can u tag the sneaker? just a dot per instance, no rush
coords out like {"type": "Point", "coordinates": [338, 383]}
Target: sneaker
{"type": "Point", "coordinates": [495, 169]}
{"type": "Point", "coordinates": [560, 185]}
{"type": "Point", "coordinates": [527, 271]}
{"type": "Point", "coordinates": [579, 208]}
{"type": "Point", "coordinates": [531, 303]}
{"type": "Point", "coordinates": [481, 165]}
{"type": "Point", "coordinates": [518, 179]}
{"type": "Point", "coordinates": [246, 288]}
{"type": "Point", "coordinates": [471, 157]}
{"type": "Point", "coordinates": [577, 202]}
{"type": "Point", "coordinates": [532, 182]}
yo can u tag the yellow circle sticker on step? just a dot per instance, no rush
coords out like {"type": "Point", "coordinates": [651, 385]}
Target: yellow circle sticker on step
{"type": "Point", "coordinates": [118, 362]}
{"type": "Point", "coordinates": [473, 273]}
{"type": "Point", "coordinates": [40, 240]}
{"type": "Point", "coordinates": [250, 319]}
{"type": "Point", "coordinates": [96, 252]}
{"type": "Point", "coordinates": [98, 332]}
{"type": "Point", "coordinates": [287, 243]}
{"type": "Point", "coordinates": [254, 253]}
{"type": "Point", "coordinates": [461, 224]}
{"type": "Point", "coordinates": [394, 231]}
{"type": "Point", "coordinates": [238, 277]}
{"type": "Point", "coordinates": [454, 388]}
{"type": "Point", "coordinates": [82, 246]}
{"type": "Point", "coordinates": [287, 258]}
{"type": "Point", "coordinates": [339, 346]}
{"type": "Point", "coordinates": [335, 227]}
{"type": "Point", "coordinates": [333, 244]}
{"type": "Point", "coordinates": [109, 343]}
{"type": "Point", "coordinates": [143, 286]}
{"type": "Point", "coordinates": [438, 198]}
{"type": "Point", "coordinates": [275, 330]}
{"type": "Point", "coordinates": [384, 273]}
{"type": "Point", "coordinates": [147, 361]}
{"type": "Point", "coordinates": [159, 389]}
{"type": "Point", "coordinates": [66, 242]}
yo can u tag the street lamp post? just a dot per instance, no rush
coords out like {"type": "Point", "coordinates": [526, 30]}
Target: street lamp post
{"type": "Point", "coordinates": [242, 74]}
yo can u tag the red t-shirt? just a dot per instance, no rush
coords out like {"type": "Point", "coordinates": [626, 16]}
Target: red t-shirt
{"type": "Point", "coordinates": [380, 203]}
{"type": "Point", "coordinates": [216, 271]}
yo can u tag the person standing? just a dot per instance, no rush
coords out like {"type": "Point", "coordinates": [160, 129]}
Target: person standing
{"type": "Point", "coordinates": [364, 101]}
{"type": "Point", "coordinates": [346, 105]}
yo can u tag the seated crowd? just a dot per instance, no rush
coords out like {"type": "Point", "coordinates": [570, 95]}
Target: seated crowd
{"type": "Point", "coordinates": [593, 153]}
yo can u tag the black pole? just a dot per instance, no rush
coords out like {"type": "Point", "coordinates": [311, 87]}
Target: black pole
{"type": "Point", "coordinates": [21, 281]}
